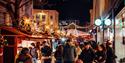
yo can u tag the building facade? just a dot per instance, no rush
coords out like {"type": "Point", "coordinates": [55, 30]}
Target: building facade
{"type": "Point", "coordinates": [113, 10]}
{"type": "Point", "coordinates": [46, 20]}
{"type": "Point", "coordinates": [5, 18]}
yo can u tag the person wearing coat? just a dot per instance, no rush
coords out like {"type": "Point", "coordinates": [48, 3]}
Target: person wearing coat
{"type": "Point", "coordinates": [24, 56]}
{"type": "Point", "coordinates": [101, 54]}
{"type": "Point", "coordinates": [46, 51]}
{"type": "Point", "coordinates": [69, 52]}
{"type": "Point", "coordinates": [110, 53]}
{"type": "Point", "coordinates": [59, 54]}
{"type": "Point", "coordinates": [87, 55]}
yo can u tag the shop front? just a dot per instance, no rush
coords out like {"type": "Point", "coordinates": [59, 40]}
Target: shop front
{"type": "Point", "coordinates": [120, 34]}
{"type": "Point", "coordinates": [12, 41]}
{"type": "Point", "coordinates": [9, 37]}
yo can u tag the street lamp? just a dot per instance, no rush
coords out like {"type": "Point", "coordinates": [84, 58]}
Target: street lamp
{"type": "Point", "coordinates": [107, 22]}
{"type": "Point", "coordinates": [99, 22]}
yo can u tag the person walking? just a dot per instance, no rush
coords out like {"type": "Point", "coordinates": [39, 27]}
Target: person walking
{"type": "Point", "coordinates": [69, 52]}
{"type": "Point", "coordinates": [46, 51]}
{"type": "Point", "coordinates": [101, 54]}
{"type": "Point", "coordinates": [24, 56]}
{"type": "Point", "coordinates": [59, 54]}
{"type": "Point", "coordinates": [34, 53]}
{"type": "Point", "coordinates": [110, 53]}
{"type": "Point", "coordinates": [87, 55]}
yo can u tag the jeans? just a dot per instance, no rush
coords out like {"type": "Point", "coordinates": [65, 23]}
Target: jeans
{"type": "Point", "coordinates": [34, 60]}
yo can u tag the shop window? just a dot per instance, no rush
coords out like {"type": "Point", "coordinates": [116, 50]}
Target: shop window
{"type": "Point", "coordinates": [37, 17]}
{"type": "Point", "coordinates": [43, 18]}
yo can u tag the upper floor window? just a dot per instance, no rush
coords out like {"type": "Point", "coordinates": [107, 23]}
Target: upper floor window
{"type": "Point", "coordinates": [51, 18]}
{"type": "Point", "coordinates": [43, 18]}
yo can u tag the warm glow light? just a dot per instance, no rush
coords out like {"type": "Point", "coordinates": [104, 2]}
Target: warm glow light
{"type": "Point", "coordinates": [47, 27]}
{"type": "Point", "coordinates": [26, 43]}
{"type": "Point", "coordinates": [58, 31]}
{"type": "Point", "coordinates": [63, 33]}
{"type": "Point", "coordinates": [51, 23]}
{"type": "Point", "coordinates": [42, 13]}
{"type": "Point", "coordinates": [27, 21]}
{"type": "Point", "coordinates": [36, 36]}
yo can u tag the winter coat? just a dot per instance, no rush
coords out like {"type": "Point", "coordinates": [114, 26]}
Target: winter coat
{"type": "Point", "coordinates": [101, 56]}
{"type": "Point", "coordinates": [87, 55]}
{"type": "Point", "coordinates": [110, 55]}
{"type": "Point", "coordinates": [69, 53]}
{"type": "Point", "coordinates": [24, 58]}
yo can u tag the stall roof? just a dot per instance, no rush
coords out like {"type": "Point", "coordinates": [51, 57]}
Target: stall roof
{"type": "Point", "coordinates": [11, 31]}
{"type": "Point", "coordinates": [73, 24]}
{"type": "Point", "coordinates": [76, 32]}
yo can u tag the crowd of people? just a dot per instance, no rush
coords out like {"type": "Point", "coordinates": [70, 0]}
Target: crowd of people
{"type": "Point", "coordinates": [71, 51]}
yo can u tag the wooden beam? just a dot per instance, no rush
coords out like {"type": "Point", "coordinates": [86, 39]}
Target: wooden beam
{"type": "Point", "coordinates": [13, 35]}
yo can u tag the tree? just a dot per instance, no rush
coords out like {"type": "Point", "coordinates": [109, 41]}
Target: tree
{"type": "Point", "coordinates": [40, 2]}
{"type": "Point", "coordinates": [13, 8]}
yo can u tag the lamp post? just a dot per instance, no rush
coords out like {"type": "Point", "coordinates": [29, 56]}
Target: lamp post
{"type": "Point", "coordinates": [103, 23]}
{"type": "Point", "coordinates": [97, 23]}
{"type": "Point", "coordinates": [107, 22]}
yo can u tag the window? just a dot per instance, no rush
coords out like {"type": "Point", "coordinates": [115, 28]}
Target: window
{"type": "Point", "coordinates": [51, 18]}
{"type": "Point", "coordinates": [43, 18]}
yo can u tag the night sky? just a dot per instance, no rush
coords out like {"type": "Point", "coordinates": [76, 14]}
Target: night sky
{"type": "Point", "coordinates": [71, 9]}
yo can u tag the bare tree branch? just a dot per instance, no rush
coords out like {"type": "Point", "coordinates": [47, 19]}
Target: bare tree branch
{"type": "Point", "coordinates": [3, 1]}
{"type": "Point", "coordinates": [3, 4]}
{"type": "Point", "coordinates": [20, 1]}
{"type": "Point", "coordinates": [25, 3]}
{"type": "Point", "coordinates": [9, 1]}
{"type": "Point", "coordinates": [40, 2]}
{"type": "Point", "coordinates": [9, 8]}
{"type": "Point", "coordinates": [44, 2]}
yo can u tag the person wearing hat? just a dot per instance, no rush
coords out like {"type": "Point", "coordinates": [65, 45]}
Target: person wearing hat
{"type": "Point", "coordinates": [87, 55]}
